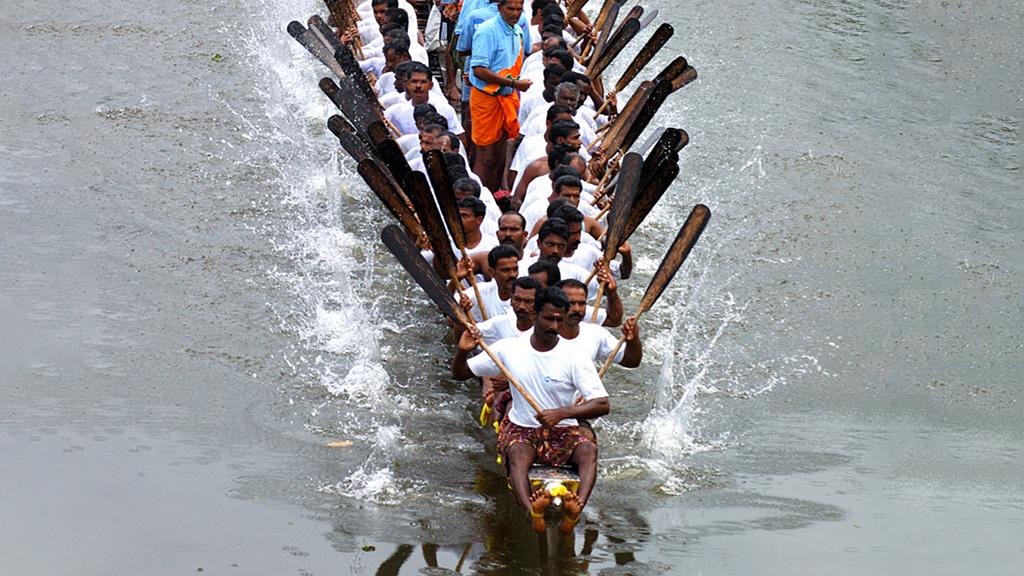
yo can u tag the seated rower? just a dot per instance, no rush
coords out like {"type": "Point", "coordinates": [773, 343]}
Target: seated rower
{"type": "Point", "coordinates": [424, 116]}
{"type": "Point", "coordinates": [536, 147]}
{"type": "Point", "coordinates": [418, 91]}
{"type": "Point", "coordinates": [552, 375]}
{"type": "Point", "coordinates": [564, 139]}
{"type": "Point", "coordinates": [497, 293]}
{"type": "Point", "coordinates": [553, 239]}
{"type": "Point", "coordinates": [548, 274]}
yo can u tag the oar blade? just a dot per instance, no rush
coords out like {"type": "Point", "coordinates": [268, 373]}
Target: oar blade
{"type": "Point", "coordinates": [650, 192]}
{"type": "Point", "coordinates": [662, 89]}
{"type": "Point", "coordinates": [412, 260]}
{"type": "Point", "coordinates": [388, 192]}
{"type": "Point", "coordinates": [440, 181]}
{"type": "Point", "coordinates": [345, 133]}
{"type": "Point", "coordinates": [676, 255]}
{"type": "Point", "coordinates": [654, 44]}
{"type": "Point", "coordinates": [616, 44]}
{"type": "Point", "coordinates": [622, 204]}
{"type": "Point", "coordinates": [418, 190]}
{"type": "Point", "coordinates": [391, 153]}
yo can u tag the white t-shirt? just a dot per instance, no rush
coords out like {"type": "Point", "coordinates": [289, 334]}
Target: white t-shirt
{"type": "Point", "coordinates": [596, 343]}
{"type": "Point", "coordinates": [409, 142]}
{"type": "Point", "coordinates": [401, 115]}
{"type": "Point", "coordinates": [499, 328]}
{"type": "Point", "coordinates": [494, 304]}
{"type": "Point", "coordinates": [567, 270]}
{"type": "Point", "coordinates": [552, 378]}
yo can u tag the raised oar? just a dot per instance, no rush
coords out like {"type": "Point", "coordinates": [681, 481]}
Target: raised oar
{"type": "Point", "coordinates": [685, 77]}
{"type": "Point", "coordinates": [324, 32]}
{"type": "Point", "coordinates": [650, 49]}
{"type": "Point", "coordinates": [662, 89]}
{"type": "Point", "coordinates": [311, 42]}
{"type": "Point", "coordinates": [574, 9]}
{"type": "Point", "coordinates": [391, 153]}
{"type": "Point", "coordinates": [387, 190]}
{"type": "Point", "coordinates": [649, 194]}
{"type": "Point", "coordinates": [622, 205]}
{"type": "Point", "coordinates": [596, 24]}
{"type": "Point", "coordinates": [676, 67]}
{"type": "Point", "coordinates": [409, 257]}
{"type": "Point", "coordinates": [347, 100]}
{"type": "Point", "coordinates": [346, 134]}
{"type": "Point", "coordinates": [623, 37]}
{"type": "Point", "coordinates": [628, 114]}
{"type": "Point", "coordinates": [355, 75]}
{"type": "Point", "coordinates": [605, 31]}
{"type": "Point", "coordinates": [674, 258]}
{"type": "Point", "coordinates": [418, 190]}
{"type": "Point", "coordinates": [634, 12]}
{"type": "Point", "coordinates": [440, 180]}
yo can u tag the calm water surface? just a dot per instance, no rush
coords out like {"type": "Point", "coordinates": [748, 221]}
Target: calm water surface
{"type": "Point", "coordinates": [194, 302]}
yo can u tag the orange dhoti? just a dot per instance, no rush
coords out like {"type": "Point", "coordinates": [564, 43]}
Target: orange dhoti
{"type": "Point", "coordinates": [494, 117]}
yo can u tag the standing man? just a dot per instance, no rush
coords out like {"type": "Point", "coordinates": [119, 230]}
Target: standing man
{"type": "Point", "coordinates": [552, 375]}
{"type": "Point", "coordinates": [498, 52]}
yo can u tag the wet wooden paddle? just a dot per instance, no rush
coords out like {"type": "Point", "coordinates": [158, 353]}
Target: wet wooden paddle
{"type": "Point", "coordinates": [346, 134]}
{"type": "Point", "coordinates": [418, 190]}
{"type": "Point", "coordinates": [346, 99]}
{"type": "Point", "coordinates": [440, 180]}
{"type": "Point", "coordinates": [324, 32]}
{"type": "Point", "coordinates": [312, 43]}
{"type": "Point", "coordinates": [389, 193]}
{"type": "Point", "coordinates": [621, 206]}
{"type": "Point", "coordinates": [654, 44]}
{"type": "Point", "coordinates": [624, 36]}
{"type": "Point", "coordinates": [674, 258]}
{"type": "Point", "coordinates": [409, 257]}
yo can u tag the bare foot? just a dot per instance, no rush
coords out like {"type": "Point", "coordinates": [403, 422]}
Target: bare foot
{"type": "Point", "coordinates": [539, 502]}
{"type": "Point", "coordinates": [571, 510]}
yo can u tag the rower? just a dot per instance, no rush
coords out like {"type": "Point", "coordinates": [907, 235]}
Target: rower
{"type": "Point", "coordinates": [552, 241]}
{"type": "Point", "coordinates": [595, 341]}
{"type": "Point", "coordinates": [536, 147]}
{"type": "Point", "coordinates": [418, 91]}
{"type": "Point", "coordinates": [552, 375]}
{"type": "Point", "coordinates": [472, 212]}
{"type": "Point", "coordinates": [496, 293]}
{"type": "Point", "coordinates": [563, 137]}
{"type": "Point", "coordinates": [536, 206]}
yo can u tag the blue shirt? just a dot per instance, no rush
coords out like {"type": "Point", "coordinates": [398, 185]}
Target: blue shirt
{"type": "Point", "coordinates": [496, 46]}
{"type": "Point", "coordinates": [467, 7]}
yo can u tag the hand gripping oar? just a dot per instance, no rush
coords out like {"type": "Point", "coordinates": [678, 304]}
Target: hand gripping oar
{"type": "Point", "coordinates": [387, 190]}
{"type": "Point", "coordinates": [346, 135]}
{"type": "Point", "coordinates": [311, 42]}
{"type": "Point", "coordinates": [437, 170]}
{"type": "Point", "coordinates": [596, 24]}
{"type": "Point", "coordinates": [624, 36]}
{"type": "Point", "coordinates": [650, 49]}
{"type": "Point", "coordinates": [622, 204]}
{"type": "Point", "coordinates": [411, 259]}
{"type": "Point", "coordinates": [674, 258]}
{"type": "Point", "coordinates": [605, 31]}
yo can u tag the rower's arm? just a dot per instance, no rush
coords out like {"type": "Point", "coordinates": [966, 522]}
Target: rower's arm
{"type": "Point", "coordinates": [626, 267]}
{"type": "Point", "coordinates": [593, 408]}
{"type": "Point", "coordinates": [634, 351]}
{"type": "Point", "coordinates": [468, 340]}
{"type": "Point", "coordinates": [614, 308]}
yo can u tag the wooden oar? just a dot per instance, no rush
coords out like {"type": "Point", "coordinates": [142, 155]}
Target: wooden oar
{"type": "Point", "coordinates": [440, 180]}
{"type": "Point", "coordinates": [634, 12]}
{"type": "Point", "coordinates": [311, 42]}
{"type": "Point", "coordinates": [574, 9]}
{"type": "Point", "coordinates": [347, 100]}
{"type": "Point", "coordinates": [674, 258]}
{"type": "Point", "coordinates": [685, 77]}
{"type": "Point", "coordinates": [393, 157]}
{"type": "Point", "coordinates": [658, 94]}
{"type": "Point", "coordinates": [596, 24]}
{"type": "Point", "coordinates": [358, 79]}
{"type": "Point", "coordinates": [648, 18]}
{"type": "Point", "coordinates": [409, 257]}
{"type": "Point", "coordinates": [630, 122]}
{"type": "Point", "coordinates": [418, 190]}
{"type": "Point", "coordinates": [387, 190]}
{"type": "Point", "coordinates": [622, 205]}
{"type": "Point", "coordinates": [657, 40]}
{"type": "Point", "coordinates": [346, 134]}
{"type": "Point", "coordinates": [604, 32]}
{"type": "Point", "coordinates": [624, 36]}
{"type": "Point", "coordinates": [674, 68]}
{"type": "Point", "coordinates": [649, 194]}
{"type": "Point", "coordinates": [324, 32]}
{"type": "Point", "coordinates": [627, 115]}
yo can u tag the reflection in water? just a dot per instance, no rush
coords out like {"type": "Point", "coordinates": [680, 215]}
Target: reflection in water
{"type": "Point", "coordinates": [508, 544]}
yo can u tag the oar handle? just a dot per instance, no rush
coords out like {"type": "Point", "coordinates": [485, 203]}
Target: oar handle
{"type": "Point", "coordinates": [611, 358]}
{"type": "Point", "coordinates": [605, 104]}
{"type": "Point", "coordinates": [494, 358]}
{"type": "Point", "coordinates": [597, 302]}
{"type": "Point", "coordinates": [476, 289]}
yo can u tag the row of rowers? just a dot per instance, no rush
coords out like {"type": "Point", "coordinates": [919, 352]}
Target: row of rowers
{"type": "Point", "coordinates": [520, 78]}
{"type": "Point", "coordinates": [534, 261]}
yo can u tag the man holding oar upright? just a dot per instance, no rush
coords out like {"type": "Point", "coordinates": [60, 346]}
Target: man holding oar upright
{"type": "Point", "coordinates": [552, 376]}
{"type": "Point", "coordinates": [497, 59]}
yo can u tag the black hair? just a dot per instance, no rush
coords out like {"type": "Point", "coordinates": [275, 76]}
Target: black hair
{"type": "Point", "coordinates": [453, 140]}
{"type": "Point", "coordinates": [566, 181]}
{"type": "Point", "coordinates": [398, 16]}
{"type": "Point", "coordinates": [562, 170]}
{"type": "Point", "coordinates": [553, 10]}
{"type": "Point", "coordinates": [549, 269]}
{"type": "Point", "coordinates": [556, 157]}
{"type": "Point", "coordinates": [421, 110]}
{"type": "Point", "coordinates": [561, 208]}
{"type": "Point", "coordinates": [555, 226]}
{"type": "Point", "coordinates": [399, 44]}
{"type": "Point", "coordinates": [571, 283]}
{"type": "Point", "coordinates": [391, 28]}
{"type": "Point", "coordinates": [563, 57]}
{"type": "Point", "coordinates": [554, 70]}
{"type": "Point", "coordinates": [552, 295]}
{"type": "Point", "coordinates": [562, 129]}
{"type": "Point", "coordinates": [502, 251]}
{"type": "Point", "coordinates": [475, 204]}
{"type": "Point", "coordinates": [467, 184]}
{"type": "Point", "coordinates": [574, 77]}
{"type": "Point", "coordinates": [420, 68]}
{"type": "Point", "coordinates": [439, 119]}
{"type": "Point", "coordinates": [556, 109]}
{"type": "Point", "coordinates": [527, 283]}
{"type": "Point", "coordinates": [522, 219]}
{"type": "Point", "coordinates": [434, 129]}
